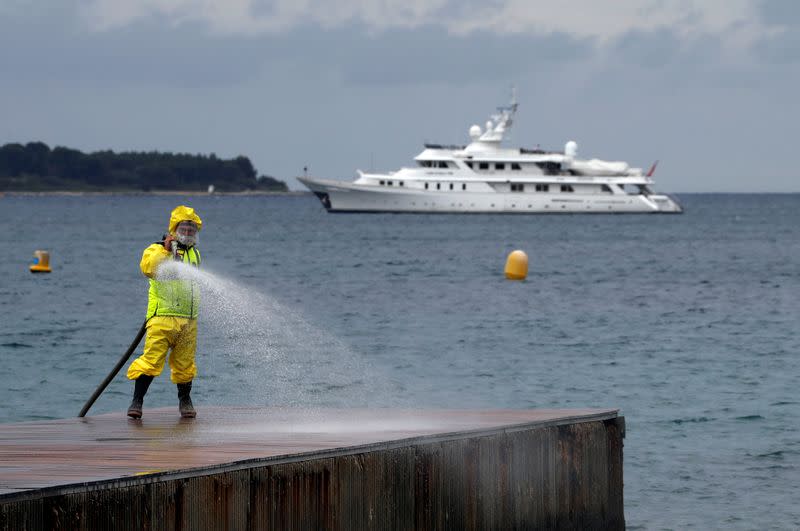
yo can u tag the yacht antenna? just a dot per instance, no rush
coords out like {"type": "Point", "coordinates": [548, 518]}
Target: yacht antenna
{"type": "Point", "coordinates": [508, 111]}
{"type": "Point", "coordinates": [501, 121]}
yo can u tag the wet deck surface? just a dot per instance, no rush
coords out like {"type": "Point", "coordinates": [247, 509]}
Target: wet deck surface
{"type": "Point", "coordinates": [42, 454]}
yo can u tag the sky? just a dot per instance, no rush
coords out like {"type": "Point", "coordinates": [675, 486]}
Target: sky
{"type": "Point", "coordinates": [710, 88]}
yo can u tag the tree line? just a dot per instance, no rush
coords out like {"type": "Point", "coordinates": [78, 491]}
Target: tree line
{"type": "Point", "coordinates": [36, 167]}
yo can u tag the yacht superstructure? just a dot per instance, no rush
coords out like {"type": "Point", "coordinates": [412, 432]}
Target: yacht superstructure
{"type": "Point", "coordinates": [485, 177]}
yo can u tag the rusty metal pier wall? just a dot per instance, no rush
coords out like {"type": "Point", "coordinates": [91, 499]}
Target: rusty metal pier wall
{"type": "Point", "coordinates": [552, 476]}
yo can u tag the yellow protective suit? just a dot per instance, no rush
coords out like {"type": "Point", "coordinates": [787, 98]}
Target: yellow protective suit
{"type": "Point", "coordinates": [163, 334]}
{"type": "Point", "coordinates": [167, 332]}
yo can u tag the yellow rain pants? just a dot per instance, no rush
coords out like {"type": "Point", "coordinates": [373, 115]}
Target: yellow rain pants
{"type": "Point", "coordinates": [165, 333]}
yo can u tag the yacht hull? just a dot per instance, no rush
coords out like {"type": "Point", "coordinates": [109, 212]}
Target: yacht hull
{"type": "Point", "coordinates": [339, 196]}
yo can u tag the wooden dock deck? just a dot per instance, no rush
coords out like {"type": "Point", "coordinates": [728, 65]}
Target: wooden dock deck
{"type": "Point", "coordinates": [71, 459]}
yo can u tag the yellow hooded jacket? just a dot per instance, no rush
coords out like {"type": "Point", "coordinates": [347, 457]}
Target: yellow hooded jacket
{"type": "Point", "coordinates": [176, 298]}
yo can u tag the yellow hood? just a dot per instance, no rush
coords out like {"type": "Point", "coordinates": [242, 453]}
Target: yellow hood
{"type": "Point", "coordinates": [183, 213]}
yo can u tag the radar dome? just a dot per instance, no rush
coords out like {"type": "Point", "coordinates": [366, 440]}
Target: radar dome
{"type": "Point", "coordinates": [571, 149]}
{"type": "Point", "coordinates": [475, 132]}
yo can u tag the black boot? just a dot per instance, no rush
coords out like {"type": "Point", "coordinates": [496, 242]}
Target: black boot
{"type": "Point", "coordinates": [139, 390]}
{"type": "Point", "coordinates": [185, 401]}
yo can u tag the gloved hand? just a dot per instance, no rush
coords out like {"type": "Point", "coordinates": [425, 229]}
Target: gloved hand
{"type": "Point", "coordinates": [168, 242]}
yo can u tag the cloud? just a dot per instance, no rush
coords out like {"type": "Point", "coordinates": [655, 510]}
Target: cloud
{"type": "Point", "coordinates": [193, 43]}
{"type": "Point", "coordinates": [605, 21]}
{"type": "Point", "coordinates": [444, 34]}
{"type": "Point", "coordinates": [258, 17]}
{"type": "Point", "coordinates": [49, 50]}
{"type": "Point", "coordinates": [146, 52]}
{"type": "Point", "coordinates": [581, 19]}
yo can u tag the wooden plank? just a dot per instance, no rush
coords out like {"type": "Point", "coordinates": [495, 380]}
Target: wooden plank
{"type": "Point", "coordinates": [73, 452]}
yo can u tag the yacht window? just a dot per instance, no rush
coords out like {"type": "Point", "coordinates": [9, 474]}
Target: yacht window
{"type": "Point", "coordinates": [566, 188]}
{"type": "Point", "coordinates": [438, 186]}
{"type": "Point", "coordinates": [389, 183]}
{"type": "Point", "coordinates": [517, 187]}
{"type": "Point", "coordinates": [426, 186]}
{"type": "Point", "coordinates": [499, 166]}
{"type": "Point", "coordinates": [605, 188]}
{"type": "Point", "coordinates": [483, 165]}
{"type": "Point", "coordinates": [469, 164]}
{"type": "Point", "coordinates": [383, 182]}
{"type": "Point", "coordinates": [542, 187]}
{"type": "Point", "coordinates": [451, 186]}
{"type": "Point", "coordinates": [443, 164]}
{"type": "Point", "coordinates": [515, 166]}
{"type": "Point", "coordinates": [401, 183]}
{"type": "Point", "coordinates": [464, 186]}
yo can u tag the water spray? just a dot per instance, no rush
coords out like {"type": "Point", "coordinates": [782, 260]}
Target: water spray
{"type": "Point", "coordinates": [275, 352]}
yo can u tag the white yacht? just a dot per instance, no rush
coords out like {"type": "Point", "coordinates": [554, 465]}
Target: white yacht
{"type": "Point", "coordinates": [484, 177]}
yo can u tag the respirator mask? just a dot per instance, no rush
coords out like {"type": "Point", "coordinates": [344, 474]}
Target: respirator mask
{"type": "Point", "coordinates": [186, 233]}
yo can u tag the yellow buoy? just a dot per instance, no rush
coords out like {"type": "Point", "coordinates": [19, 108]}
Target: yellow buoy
{"type": "Point", "coordinates": [41, 262]}
{"type": "Point", "coordinates": [517, 265]}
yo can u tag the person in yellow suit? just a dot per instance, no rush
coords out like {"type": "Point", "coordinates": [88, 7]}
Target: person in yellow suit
{"type": "Point", "coordinates": [171, 314]}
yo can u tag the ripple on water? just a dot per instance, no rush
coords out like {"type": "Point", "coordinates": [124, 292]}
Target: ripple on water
{"type": "Point", "coordinates": [777, 454]}
{"type": "Point", "coordinates": [692, 420]}
{"type": "Point", "coordinates": [750, 418]}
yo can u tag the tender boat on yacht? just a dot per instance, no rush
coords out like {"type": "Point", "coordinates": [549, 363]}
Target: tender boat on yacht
{"type": "Point", "coordinates": [484, 177]}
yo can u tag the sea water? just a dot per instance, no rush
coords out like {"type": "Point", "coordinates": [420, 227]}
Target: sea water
{"type": "Point", "coordinates": [687, 324]}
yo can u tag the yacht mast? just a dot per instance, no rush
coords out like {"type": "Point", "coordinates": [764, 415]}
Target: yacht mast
{"type": "Point", "coordinates": [500, 122]}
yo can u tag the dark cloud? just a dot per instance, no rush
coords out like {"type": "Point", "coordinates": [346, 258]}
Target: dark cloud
{"type": "Point", "coordinates": [55, 46]}
{"type": "Point", "coordinates": [153, 52]}
{"type": "Point", "coordinates": [141, 53]}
